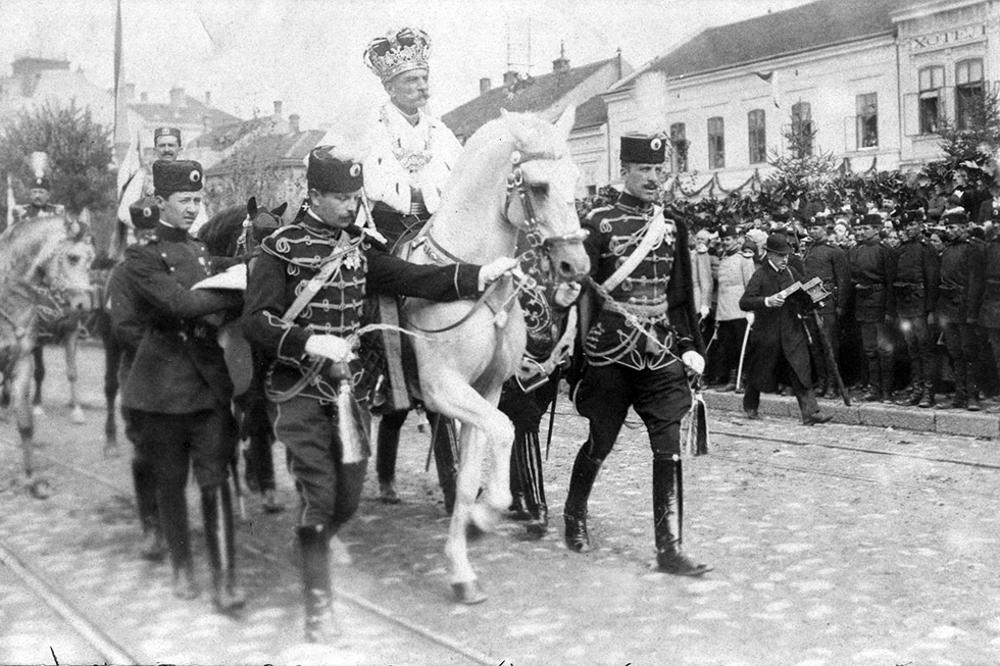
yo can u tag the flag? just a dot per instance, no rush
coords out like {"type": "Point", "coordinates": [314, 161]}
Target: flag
{"type": "Point", "coordinates": [772, 78]}
{"type": "Point", "coordinates": [130, 180]}
{"type": "Point", "coordinates": [121, 134]}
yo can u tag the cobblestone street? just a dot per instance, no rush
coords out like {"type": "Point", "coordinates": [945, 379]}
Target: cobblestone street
{"type": "Point", "coordinates": [824, 555]}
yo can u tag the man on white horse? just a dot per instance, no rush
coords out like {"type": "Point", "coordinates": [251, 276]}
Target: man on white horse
{"type": "Point", "coordinates": [411, 154]}
{"type": "Point", "coordinates": [304, 301]}
{"type": "Point", "coordinates": [641, 341]}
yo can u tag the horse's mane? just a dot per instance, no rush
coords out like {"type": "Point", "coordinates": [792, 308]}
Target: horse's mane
{"type": "Point", "coordinates": [27, 241]}
{"type": "Point", "coordinates": [534, 135]}
{"type": "Point", "coordinates": [221, 230]}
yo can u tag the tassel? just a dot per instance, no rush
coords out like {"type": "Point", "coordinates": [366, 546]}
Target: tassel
{"type": "Point", "coordinates": [351, 426]}
{"type": "Point", "coordinates": [701, 425]}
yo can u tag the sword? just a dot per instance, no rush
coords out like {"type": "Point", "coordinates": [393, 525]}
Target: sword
{"type": "Point", "coordinates": [743, 353]}
{"type": "Point", "coordinates": [552, 410]}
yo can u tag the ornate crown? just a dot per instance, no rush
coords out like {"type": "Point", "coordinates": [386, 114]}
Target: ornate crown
{"type": "Point", "coordinates": [398, 51]}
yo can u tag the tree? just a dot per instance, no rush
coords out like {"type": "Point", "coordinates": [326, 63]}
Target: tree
{"type": "Point", "coordinates": [79, 151]}
{"type": "Point", "coordinates": [804, 170]}
{"type": "Point", "coordinates": [979, 140]}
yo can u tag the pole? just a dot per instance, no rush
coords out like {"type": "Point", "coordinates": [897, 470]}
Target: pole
{"type": "Point", "coordinates": [831, 361]}
{"type": "Point", "coordinates": [743, 353]}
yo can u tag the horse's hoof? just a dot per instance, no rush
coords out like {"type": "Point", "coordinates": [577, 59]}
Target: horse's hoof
{"type": "Point", "coordinates": [40, 489]}
{"type": "Point", "coordinates": [111, 450]}
{"type": "Point", "coordinates": [77, 416]}
{"type": "Point", "coordinates": [38, 411]}
{"type": "Point", "coordinates": [469, 592]}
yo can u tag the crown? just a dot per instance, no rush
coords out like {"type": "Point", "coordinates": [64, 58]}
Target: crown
{"type": "Point", "coordinates": [398, 51]}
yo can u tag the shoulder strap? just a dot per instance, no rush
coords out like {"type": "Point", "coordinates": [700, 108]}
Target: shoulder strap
{"type": "Point", "coordinates": [313, 286]}
{"type": "Point", "coordinates": [652, 238]}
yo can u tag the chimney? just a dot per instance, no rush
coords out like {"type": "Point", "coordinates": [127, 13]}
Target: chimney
{"type": "Point", "coordinates": [176, 98]}
{"type": "Point", "coordinates": [484, 85]}
{"type": "Point", "coordinates": [129, 92]}
{"type": "Point", "coordinates": [144, 98]}
{"type": "Point", "coordinates": [561, 64]}
{"type": "Point", "coordinates": [618, 62]}
{"type": "Point", "coordinates": [208, 98]}
{"type": "Point", "coordinates": [277, 108]}
{"type": "Point", "coordinates": [293, 124]}
{"type": "Point", "coordinates": [509, 78]}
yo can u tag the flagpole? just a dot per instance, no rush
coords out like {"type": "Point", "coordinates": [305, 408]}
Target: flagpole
{"type": "Point", "coordinates": [10, 202]}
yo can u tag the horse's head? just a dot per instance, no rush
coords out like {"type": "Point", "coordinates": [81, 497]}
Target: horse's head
{"type": "Point", "coordinates": [65, 269]}
{"type": "Point", "coordinates": [541, 188]}
{"type": "Point", "coordinates": [238, 230]}
{"type": "Point", "coordinates": [260, 223]}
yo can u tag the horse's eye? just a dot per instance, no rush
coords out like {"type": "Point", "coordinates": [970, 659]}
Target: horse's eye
{"type": "Point", "coordinates": [540, 189]}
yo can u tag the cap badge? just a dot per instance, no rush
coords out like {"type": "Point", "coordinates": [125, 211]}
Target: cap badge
{"type": "Point", "coordinates": [195, 176]}
{"type": "Point", "coordinates": [355, 170]}
{"type": "Point", "coordinates": [655, 144]}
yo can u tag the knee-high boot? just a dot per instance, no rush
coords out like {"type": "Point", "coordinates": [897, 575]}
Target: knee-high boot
{"type": "Point", "coordinates": [317, 592]}
{"type": "Point", "coordinates": [875, 380]}
{"type": "Point", "coordinates": [518, 506]}
{"type": "Point", "coordinates": [668, 514]}
{"type": "Point", "coordinates": [217, 511]}
{"type": "Point", "coordinates": [445, 445]}
{"type": "Point", "coordinates": [386, 451]}
{"type": "Point", "coordinates": [533, 483]}
{"type": "Point", "coordinates": [581, 482]}
{"type": "Point", "coordinates": [173, 519]}
{"type": "Point", "coordinates": [144, 482]}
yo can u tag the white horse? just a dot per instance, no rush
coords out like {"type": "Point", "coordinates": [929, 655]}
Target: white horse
{"type": "Point", "coordinates": [515, 176]}
{"type": "Point", "coordinates": [44, 271]}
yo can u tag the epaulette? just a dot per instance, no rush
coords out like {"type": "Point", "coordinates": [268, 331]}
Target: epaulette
{"type": "Point", "coordinates": [372, 236]}
{"type": "Point", "coordinates": [150, 238]}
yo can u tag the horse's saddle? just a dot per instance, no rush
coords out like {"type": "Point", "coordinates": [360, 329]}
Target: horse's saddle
{"type": "Point", "coordinates": [388, 379]}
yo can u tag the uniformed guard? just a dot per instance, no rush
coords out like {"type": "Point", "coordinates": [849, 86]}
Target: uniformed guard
{"type": "Point", "coordinates": [987, 294]}
{"type": "Point", "coordinates": [915, 298]}
{"type": "Point", "coordinates": [38, 205]}
{"type": "Point", "coordinates": [828, 262]}
{"type": "Point", "coordinates": [960, 272]}
{"type": "Point", "coordinates": [871, 265]}
{"type": "Point", "coordinates": [305, 297]}
{"type": "Point", "coordinates": [178, 389]}
{"type": "Point", "coordinates": [126, 334]}
{"type": "Point", "coordinates": [735, 271]}
{"type": "Point", "coordinates": [410, 158]}
{"type": "Point", "coordinates": [642, 335]}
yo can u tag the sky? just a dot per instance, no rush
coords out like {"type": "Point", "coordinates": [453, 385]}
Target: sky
{"type": "Point", "coordinates": [307, 53]}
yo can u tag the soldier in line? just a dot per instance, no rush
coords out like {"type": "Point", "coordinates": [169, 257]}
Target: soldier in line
{"type": "Point", "coordinates": [960, 273]}
{"type": "Point", "coordinates": [411, 154]}
{"type": "Point", "coordinates": [305, 296]}
{"type": "Point", "coordinates": [735, 271]}
{"type": "Point", "coordinates": [988, 299]}
{"type": "Point", "coordinates": [127, 330]}
{"type": "Point", "coordinates": [871, 266]}
{"type": "Point", "coordinates": [178, 389]}
{"type": "Point", "coordinates": [915, 290]}
{"type": "Point", "coordinates": [641, 343]}
{"type": "Point", "coordinates": [828, 262]}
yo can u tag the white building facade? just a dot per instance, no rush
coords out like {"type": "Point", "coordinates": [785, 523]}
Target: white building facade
{"type": "Point", "coordinates": [874, 94]}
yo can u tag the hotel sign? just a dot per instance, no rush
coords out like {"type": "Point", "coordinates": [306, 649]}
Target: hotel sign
{"type": "Point", "coordinates": [945, 38]}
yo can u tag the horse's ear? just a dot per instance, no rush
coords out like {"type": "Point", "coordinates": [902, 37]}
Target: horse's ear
{"type": "Point", "coordinates": [565, 123]}
{"type": "Point", "coordinates": [280, 210]}
{"type": "Point", "coordinates": [252, 206]}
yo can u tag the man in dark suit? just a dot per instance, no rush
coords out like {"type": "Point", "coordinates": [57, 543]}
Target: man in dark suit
{"type": "Point", "coordinates": [778, 338]}
{"type": "Point", "coordinates": [178, 389]}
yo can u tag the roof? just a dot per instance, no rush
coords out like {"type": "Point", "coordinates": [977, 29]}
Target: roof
{"type": "Point", "coordinates": [527, 95]}
{"type": "Point", "coordinates": [807, 27]}
{"type": "Point", "coordinates": [591, 113]}
{"type": "Point", "coordinates": [224, 136]}
{"type": "Point", "coordinates": [191, 113]}
{"type": "Point", "coordinates": [271, 150]}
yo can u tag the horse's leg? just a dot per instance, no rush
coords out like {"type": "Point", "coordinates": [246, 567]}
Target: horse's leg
{"type": "Point", "coordinates": [21, 395]}
{"type": "Point", "coordinates": [112, 365]}
{"type": "Point", "coordinates": [38, 354]}
{"type": "Point", "coordinates": [71, 344]}
{"type": "Point", "coordinates": [497, 478]}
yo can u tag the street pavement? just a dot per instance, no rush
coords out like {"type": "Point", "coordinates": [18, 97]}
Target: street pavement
{"type": "Point", "coordinates": [823, 556]}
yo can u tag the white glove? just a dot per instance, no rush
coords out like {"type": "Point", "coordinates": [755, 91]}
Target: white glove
{"type": "Point", "coordinates": [335, 348]}
{"type": "Point", "coordinates": [703, 311]}
{"type": "Point", "coordinates": [750, 318]}
{"type": "Point", "coordinates": [694, 361]}
{"type": "Point", "coordinates": [775, 301]}
{"type": "Point", "coordinates": [566, 294]}
{"type": "Point", "coordinates": [493, 270]}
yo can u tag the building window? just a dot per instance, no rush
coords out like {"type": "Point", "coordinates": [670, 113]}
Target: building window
{"type": "Point", "coordinates": [968, 91]}
{"type": "Point", "coordinates": [867, 120]}
{"type": "Point", "coordinates": [802, 129]}
{"type": "Point", "coordinates": [757, 136]}
{"type": "Point", "coordinates": [931, 82]}
{"type": "Point", "coordinates": [678, 148]}
{"type": "Point", "coordinates": [716, 143]}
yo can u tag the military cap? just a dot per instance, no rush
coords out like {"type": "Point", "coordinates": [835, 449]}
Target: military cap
{"type": "Point", "coordinates": [642, 149]}
{"type": "Point", "coordinates": [144, 213]}
{"type": "Point", "coordinates": [166, 131]}
{"type": "Point", "coordinates": [913, 215]}
{"type": "Point", "coordinates": [778, 243]}
{"type": "Point", "coordinates": [40, 182]}
{"type": "Point", "coordinates": [729, 231]}
{"type": "Point", "coordinates": [955, 216]}
{"type": "Point", "coordinates": [327, 173]}
{"type": "Point", "coordinates": [869, 220]}
{"type": "Point", "coordinates": [176, 176]}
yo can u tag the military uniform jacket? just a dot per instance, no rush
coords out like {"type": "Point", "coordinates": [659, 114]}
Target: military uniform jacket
{"type": "Point", "coordinates": [956, 283]}
{"type": "Point", "coordinates": [829, 263]}
{"type": "Point", "coordinates": [27, 212]}
{"type": "Point", "coordinates": [126, 325]}
{"type": "Point", "coordinates": [989, 300]}
{"type": "Point", "coordinates": [871, 267]}
{"type": "Point", "coordinates": [178, 367]}
{"type": "Point", "coordinates": [291, 257]}
{"type": "Point", "coordinates": [735, 272]}
{"type": "Point", "coordinates": [658, 296]}
{"type": "Point", "coordinates": [776, 332]}
{"type": "Point", "coordinates": [916, 283]}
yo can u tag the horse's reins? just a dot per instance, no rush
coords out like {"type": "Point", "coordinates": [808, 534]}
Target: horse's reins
{"type": "Point", "coordinates": [538, 251]}
{"type": "Point", "coordinates": [46, 312]}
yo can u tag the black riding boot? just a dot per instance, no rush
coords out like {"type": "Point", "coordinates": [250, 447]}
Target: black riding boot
{"type": "Point", "coordinates": [173, 519]}
{"type": "Point", "coordinates": [875, 380]}
{"type": "Point", "coordinates": [316, 589]}
{"type": "Point", "coordinates": [386, 451]}
{"type": "Point", "coordinates": [581, 481]}
{"type": "Point", "coordinates": [152, 548]}
{"type": "Point", "coordinates": [527, 467]}
{"type": "Point", "coordinates": [445, 443]}
{"type": "Point", "coordinates": [518, 508]}
{"type": "Point", "coordinates": [217, 511]}
{"type": "Point", "coordinates": [668, 514]}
